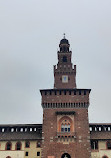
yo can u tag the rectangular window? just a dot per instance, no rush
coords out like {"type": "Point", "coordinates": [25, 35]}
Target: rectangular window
{"type": "Point", "coordinates": [94, 144]}
{"type": "Point", "coordinates": [26, 154]}
{"type": "Point", "coordinates": [69, 92]}
{"type": "Point", "coordinates": [38, 144]}
{"type": "Point", "coordinates": [74, 92]}
{"type": "Point", "coordinates": [84, 92]}
{"type": "Point", "coordinates": [38, 153]}
{"type": "Point", "coordinates": [64, 92]}
{"type": "Point", "coordinates": [68, 129]}
{"type": "Point", "coordinates": [62, 129]}
{"type": "Point", "coordinates": [108, 145]}
{"type": "Point", "coordinates": [27, 144]}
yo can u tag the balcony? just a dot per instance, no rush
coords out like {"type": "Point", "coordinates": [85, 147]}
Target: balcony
{"type": "Point", "coordinates": [66, 134]}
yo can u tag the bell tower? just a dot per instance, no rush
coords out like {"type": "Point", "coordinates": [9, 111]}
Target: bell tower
{"type": "Point", "coordinates": [65, 130]}
{"type": "Point", "coordinates": [65, 72]}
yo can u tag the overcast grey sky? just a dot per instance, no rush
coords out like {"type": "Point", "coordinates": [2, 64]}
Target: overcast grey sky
{"type": "Point", "coordinates": [30, 32]}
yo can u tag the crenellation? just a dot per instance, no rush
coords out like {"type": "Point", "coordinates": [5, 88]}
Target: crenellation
{"type": "Point", "coordinates": [100, 127]}
{"type": "Point", "coordinates": [65, 132]}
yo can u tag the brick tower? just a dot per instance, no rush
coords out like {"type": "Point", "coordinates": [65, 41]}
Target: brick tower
{"type": "Point", "coordinates": [65, 131]}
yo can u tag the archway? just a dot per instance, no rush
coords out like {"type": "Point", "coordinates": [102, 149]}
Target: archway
{"type": "Point", "coordinates": [104, 156]}
{"type": "Point", "coordinates": [65, 155]}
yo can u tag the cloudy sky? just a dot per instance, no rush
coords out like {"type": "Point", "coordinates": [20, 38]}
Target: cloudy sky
{"type": "Point", "coordinates": [30, 32]}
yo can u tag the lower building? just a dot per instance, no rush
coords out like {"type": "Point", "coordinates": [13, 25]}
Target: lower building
{"type": "Point", "coordinates": [25, 141]}
{"type": "Point", "coordinates": [66, 131]}
{"type": "Point", "coordinates": [19, 141]}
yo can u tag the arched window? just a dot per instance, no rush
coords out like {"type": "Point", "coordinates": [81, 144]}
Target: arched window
{"type": "Point", "coordinates": [8, 157]}
{"type": "Point", "coordinates": [108, 144]}
{"type": "Point", "coordinates": [18, 146]}
{"type": "Point", "coordinates": [27, 144]}
{"type": "Point", "coordinates": [38, 144]}
{"type": "Point", "coordinates": [8, 146]}
{"type": "Point", "coordinates": [64, 49]}
{"type": "Point", "coordinates": [64, 59]}
{"type": "Point", "coordinates": [65, 126]}
{"type": "Point", "coordinates": [65, 155]}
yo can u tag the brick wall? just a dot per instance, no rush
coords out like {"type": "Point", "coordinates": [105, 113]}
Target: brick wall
{"type": "Point", "coordinates": [79, 147]}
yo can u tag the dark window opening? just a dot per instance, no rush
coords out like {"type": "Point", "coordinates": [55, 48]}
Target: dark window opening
{"type": "Point", "coordinates": [27, 144]}
{"type": "Point", "coordinates": [38, 153]}
{"type": "Point", "coordinates": [65, 128]}
{"type": "Point", "coordinates": [64, 92]}
{"type": "Point", "coordinates": [84, 92]}
{"type": "Point", "coordinates": [8, 146]}
{"type": "Point", "coordinates": [79, 92]}
{"type": "Point", "coordinates": [64, 59]}
{"type": "Point", "coordinates": [64, 49]}
{"type": "Point", "coordinates": [74, 92]}
{"type": "Point", "coordinates": [62, 129]}
{"type": "Point", "coordinates": [108, 145]}
{"type": "Point", "coordinates": [18, 146]}
{"type": "Point", "coordinates": [38, 144]}
{"type": "Point", "coordinates": [94, 144]}
{"type": "Point", "coordinates": [26, 154]}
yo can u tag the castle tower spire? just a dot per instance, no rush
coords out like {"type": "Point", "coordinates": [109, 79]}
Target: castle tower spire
{"type": "Point", "coordinates": [64, 35]}
{"type": "Point", "coordinates": [64, 72]}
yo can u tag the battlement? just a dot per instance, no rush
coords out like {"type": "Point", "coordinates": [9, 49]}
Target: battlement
{"type": "Point", "coordinates": [100, 127]}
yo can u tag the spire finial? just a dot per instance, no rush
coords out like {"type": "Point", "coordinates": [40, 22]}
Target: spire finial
{"type": "Point", "coordinates": [64, 35]}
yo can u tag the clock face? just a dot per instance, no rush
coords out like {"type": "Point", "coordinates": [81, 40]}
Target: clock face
{"type": "Point", "coordinates": [65, 79]}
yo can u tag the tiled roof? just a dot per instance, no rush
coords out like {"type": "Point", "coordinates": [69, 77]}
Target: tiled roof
{"type": "Point", "coordinates": [20, 136]}
{"type": "Point", "coordinates": [100, 131]}
{"type": "Point", "coordinates": [20, 132]}
{"type": "Point", "coordinates": [100, 135]}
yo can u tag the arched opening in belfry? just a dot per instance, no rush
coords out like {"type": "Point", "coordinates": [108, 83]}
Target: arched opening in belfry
{"type": "Point", "coordinates": [65, 155]}
{"type": "Point", "coordinates": [64, 59]}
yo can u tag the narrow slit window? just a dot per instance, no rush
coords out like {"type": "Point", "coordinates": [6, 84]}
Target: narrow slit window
{"type": "Point", "coordinates": [38, 153]}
